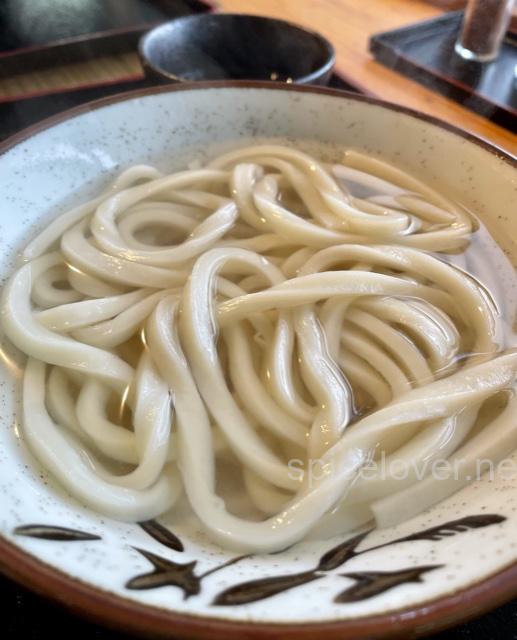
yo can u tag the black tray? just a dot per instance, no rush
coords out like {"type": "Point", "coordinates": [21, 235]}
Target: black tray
{"type": "Point", "coordinates": [425, 53]}
{"type": "Point", "coordinates": [36, 34]}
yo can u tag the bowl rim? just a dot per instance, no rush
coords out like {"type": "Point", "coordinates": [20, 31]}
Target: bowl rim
{"type": "Point", "coordinates": [150, 621]}
{"type": "Point", "coordinates": [320, 72]}
{"type": "Point", "coordinates": [92, 105]}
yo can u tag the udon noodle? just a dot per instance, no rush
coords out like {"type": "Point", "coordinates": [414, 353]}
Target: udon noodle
{"type": "Point", "coordinates": [266, 312]}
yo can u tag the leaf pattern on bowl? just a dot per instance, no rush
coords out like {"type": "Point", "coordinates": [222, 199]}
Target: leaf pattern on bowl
{"type": "Point", "coordinates": [373, 583]}
{"type": "Point", "coordinates": [254, 590]}
{"type": "Point", "coordinates": [453, 527]}
{"type": "Point", "coordinates": [368, 584]}
{"type": "Point", "coordinates": [48, 532]}
{"type": "Point", "coordinates": [337, 556]}
{"type": "Point", "coordinates": [162, 535]}
{"type": "Point", "coordinates": [166, 573]}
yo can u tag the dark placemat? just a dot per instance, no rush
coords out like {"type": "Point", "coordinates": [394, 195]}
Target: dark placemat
{"type": "Point", "coordinates": [18, 114]}
{"type": "Point", "coordinates": [36, 33]}
{"type": "Point", "coordinates": [425, 53]}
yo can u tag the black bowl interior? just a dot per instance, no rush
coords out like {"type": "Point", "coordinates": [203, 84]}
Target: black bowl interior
{"type": "Point", "coordinates": [226, 46]}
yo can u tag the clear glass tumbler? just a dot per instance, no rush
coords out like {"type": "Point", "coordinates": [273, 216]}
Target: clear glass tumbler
{"type": "Point", "coordinates": [484, 26]}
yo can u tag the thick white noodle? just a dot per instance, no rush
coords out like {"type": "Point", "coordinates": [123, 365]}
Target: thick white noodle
{"type": "Point", "coordinates": [290, 316]}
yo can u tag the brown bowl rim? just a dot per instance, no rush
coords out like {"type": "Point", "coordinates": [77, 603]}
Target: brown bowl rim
{"type": "Point", "coordinates": [150, 621]}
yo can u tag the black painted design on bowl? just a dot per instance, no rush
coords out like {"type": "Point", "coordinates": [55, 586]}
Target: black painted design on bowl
{"type": "Point", "coordinates": [373, 583]}
{"type": "Point", "coordinates": [254, 590]}
{"type": "Point", "coordinates": [58, 534]}
{"type": "Point", "coordinates": [369, 584]}
{"type": "Point", "coordinates": [162, 535]}
{"type": "Point", "coordinates": [166, 573]}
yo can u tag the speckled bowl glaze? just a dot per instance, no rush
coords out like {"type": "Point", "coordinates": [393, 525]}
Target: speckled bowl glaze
{"type": "Point", "coordinates": [449, 563]}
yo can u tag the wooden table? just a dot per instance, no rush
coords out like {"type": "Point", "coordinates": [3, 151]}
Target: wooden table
{"type": "Point", "coordinates": [347, 23]}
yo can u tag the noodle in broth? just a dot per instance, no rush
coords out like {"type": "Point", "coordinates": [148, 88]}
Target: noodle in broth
{"type": "Point", "coordinates": [267, 311]}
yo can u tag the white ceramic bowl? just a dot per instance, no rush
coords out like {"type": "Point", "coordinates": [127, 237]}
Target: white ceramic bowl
{"type": "Point", "coordinates": [462, 566]}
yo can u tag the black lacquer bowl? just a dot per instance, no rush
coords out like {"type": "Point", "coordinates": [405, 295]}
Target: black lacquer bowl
{"type": "Point", "coordinates": [236, 47]}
